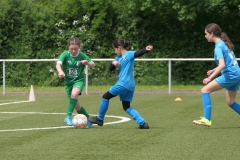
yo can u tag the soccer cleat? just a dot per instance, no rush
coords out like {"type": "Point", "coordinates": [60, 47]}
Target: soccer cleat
{"type": "Point", "coordinates": [95, 120]}
{"type": "Point", "coordinates": [68, 121]}
{"type": "Point", "coordinates": [144, 126]}
{"type": "Point", "coordinates": [89, 124]}
{"type": "Point", "coordinates": [203, 121]}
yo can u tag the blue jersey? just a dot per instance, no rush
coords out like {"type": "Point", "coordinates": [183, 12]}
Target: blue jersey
{"type": "Point", "coordinates": [126, 67]}
{"type": "Point", "coordinates": [231, 70]}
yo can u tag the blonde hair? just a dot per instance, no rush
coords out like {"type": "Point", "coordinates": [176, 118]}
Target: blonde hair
{"type": "Point", "coordinates": [74, 41]}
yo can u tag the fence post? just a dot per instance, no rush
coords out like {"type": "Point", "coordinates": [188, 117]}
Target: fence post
{"type": "Point", "coordinates": [169, 76]}
{"type": "Point", "coordinates": [86, 83]}
{"type": "Point", "coordinates": [4, 88]}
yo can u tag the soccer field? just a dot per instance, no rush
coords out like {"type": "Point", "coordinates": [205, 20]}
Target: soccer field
{"type": "Point", "coordinates": [35, 130]}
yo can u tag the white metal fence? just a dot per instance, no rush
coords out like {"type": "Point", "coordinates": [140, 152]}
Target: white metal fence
{"type": "Point", "coordinates": [102, 60]}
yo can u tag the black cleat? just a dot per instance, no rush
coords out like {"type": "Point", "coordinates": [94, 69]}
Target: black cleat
{"type": "Point", "coordinates": [144, 126]}
{"type": "Point", "coordinates": [95, 120]}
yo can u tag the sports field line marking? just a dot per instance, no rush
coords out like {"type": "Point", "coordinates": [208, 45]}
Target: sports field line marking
{"type": "Point", "coordinates": [122, 119]}
{"type": "Point", "coordinates": [32, 129]}
{"type": "Point", "coordinates": [13, 102]}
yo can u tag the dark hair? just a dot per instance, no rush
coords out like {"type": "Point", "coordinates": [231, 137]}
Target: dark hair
{"type": "Point", "coordinates": [216, 30]}
{"type": "Point", "coordinates": [121, 42]}
{"type": "Point", "coordinates": [74, 41]}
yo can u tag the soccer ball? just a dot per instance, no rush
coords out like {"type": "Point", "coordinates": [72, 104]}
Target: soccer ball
{"type": "Point", "coordinates": [80, 121]}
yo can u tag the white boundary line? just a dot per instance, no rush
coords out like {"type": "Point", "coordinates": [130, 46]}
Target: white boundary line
{"type": "Point", "coordinates": [13, 102]}
{"type": "Point", "coordinates": [122, 119]}
{"type": "Point", "coordinates": [32, 129]}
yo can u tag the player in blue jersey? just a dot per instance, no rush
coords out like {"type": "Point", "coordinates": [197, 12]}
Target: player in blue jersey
{"type": "Point", "coordinates": [229, 79]}
{"type": "Point", "coordinates": [126, 84]}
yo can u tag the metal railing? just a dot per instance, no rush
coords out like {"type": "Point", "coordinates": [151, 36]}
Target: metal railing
{"type": "Point", "coordinates": [102, 60]}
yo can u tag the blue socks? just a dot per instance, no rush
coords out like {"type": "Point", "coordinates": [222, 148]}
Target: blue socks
{"type": "Point", "coordinates": [103, 109]}
{"type": "Point", "coordinates": [135, 115]}
{"type": "Point", "coordinates": [207, 106]}
{"type": "Point", "coordinates": [132, 112]}
{"type": "Point", "coordinates": [236, 107]}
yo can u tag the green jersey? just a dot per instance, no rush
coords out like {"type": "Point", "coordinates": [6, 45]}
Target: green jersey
{"type": "Point", "coordinates": [72, 67]}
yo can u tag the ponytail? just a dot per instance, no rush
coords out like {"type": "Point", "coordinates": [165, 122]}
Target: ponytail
{"type": "Point", "coordinates": [216, 30]}
{"type": "Point", "coordinates": [121, 42]}
{"type": "Point", "coordinates": [227, 41]}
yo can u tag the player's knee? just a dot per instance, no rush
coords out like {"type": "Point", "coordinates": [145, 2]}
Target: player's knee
{"type": "Point", "coordinates": [125, 105]}
{"type": "Point", "coordinates": [204, 90]}
{"type": "Point", "coordinates": [229, 102]}
{"type": "Point", "coordinates": [108, 95]}
{"type": "Point", "coordinates": [75, 94]}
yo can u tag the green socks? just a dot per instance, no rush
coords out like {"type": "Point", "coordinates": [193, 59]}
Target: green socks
{"type": "Point", "coordinates": [83, 111]}
{"type": "Point", "coordinates": [71, 106]}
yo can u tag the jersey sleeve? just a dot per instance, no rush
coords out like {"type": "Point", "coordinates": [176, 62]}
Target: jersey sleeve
{"type": "Point", "coordinates": [86, 57]}
{"type": "Point", "coordinates": [131, 54]}
{"type": "Point", "coordinates": [140, 52]}
{"type": "Point", "coordinates": [116, 59]}
{"type": "Point", "coordinates": [218, 52]}
{"type": "Point", "coordinates": [62, 58]}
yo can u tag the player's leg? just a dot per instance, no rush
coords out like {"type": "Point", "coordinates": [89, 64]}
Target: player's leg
{"type": "Point", "coordinates": [126, 97]}
{"type": "Point", "coordinates": [102, 109]}
{"type": "Point", "coordinates": [135, 115]}
{"type": "Point", "coordinates": [207, 104]}
{"type": "Point", "coordinates": [77, 90]}
{"type": "Point", "coordinates": [81, 110]}
{"type": "Point", "coordinates": [231, 94]}
{"type": "Point", "coordinates": [71, 104]}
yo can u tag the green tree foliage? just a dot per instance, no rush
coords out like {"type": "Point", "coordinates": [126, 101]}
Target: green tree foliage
{"type": "Point", "coordinates": [26, 35]}
{"type": "Point", "coordinates": [41, 29]}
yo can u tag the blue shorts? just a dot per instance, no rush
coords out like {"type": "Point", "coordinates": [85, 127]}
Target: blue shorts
{"type": "Point", "coordinates": [229, 84]}
{"type": "Point", "coordinates": [124, 94]}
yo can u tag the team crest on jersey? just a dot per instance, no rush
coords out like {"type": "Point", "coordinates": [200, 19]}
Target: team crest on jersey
{"type": "Point", "coordinates": [69, 62]}
{"type": "Point", "coordinates": [124, 58]}
{"type": "Point", "coordinates": [78, 63]}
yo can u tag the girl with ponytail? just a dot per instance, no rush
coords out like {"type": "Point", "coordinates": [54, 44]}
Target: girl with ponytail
{"type": "Point", "coordinates": [229, 79]}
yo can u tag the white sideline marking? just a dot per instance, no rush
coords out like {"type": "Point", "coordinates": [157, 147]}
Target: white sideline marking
{"type": "Point", "coordinates": [13, 102]}
{"type": "Point", "coordinates": [29, 113]}
{"type": "Point", "coordinates": [31, 129]}
{"type": "Point", "coordinates": [122, 119]}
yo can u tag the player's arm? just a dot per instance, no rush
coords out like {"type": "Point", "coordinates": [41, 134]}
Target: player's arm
{"type": "Point", "coordinates": [141, 52]}
{"type": "Point", "coordinates": [91, 64]}
{"type": "Point", "coordinates": [221, 63]}
{"type": "Point", "coordinates": [114, 64]}
{"type": "Point", "coordinates": [111, 67]}
{"type": "Point", "coordinates": [211, 71]}
{"type": "Point", "coordinates": [61, 74]}
{"type": "Point", "coordinates": [87, 61]}
{"type": "Point", "coordinates": [218, 69]}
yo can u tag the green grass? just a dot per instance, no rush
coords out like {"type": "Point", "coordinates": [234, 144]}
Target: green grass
{"type": "Point", "coordinates": [172, 135]}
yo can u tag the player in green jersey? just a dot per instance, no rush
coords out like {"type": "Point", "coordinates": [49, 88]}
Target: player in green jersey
{"type": "Point", "coordinates": [70, 66]}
